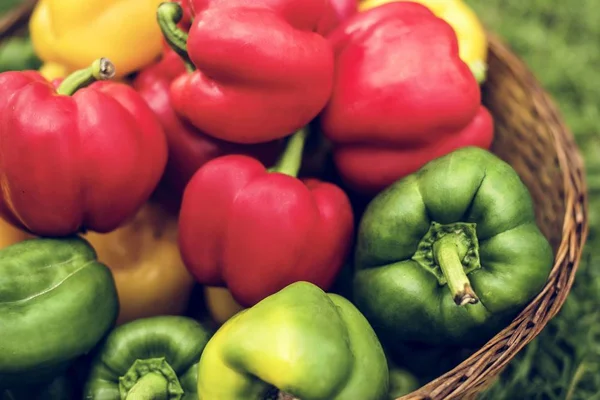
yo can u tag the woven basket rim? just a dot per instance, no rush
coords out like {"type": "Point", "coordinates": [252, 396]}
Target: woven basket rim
{"type": "Point", "coordinates": [16, 18]}
{"type": "Point", "coordinates": [492, 357]}
{"type": "Point", "coordinates": [478, 370]}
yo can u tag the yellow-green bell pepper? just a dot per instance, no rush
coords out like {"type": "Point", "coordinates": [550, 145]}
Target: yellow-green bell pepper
{"type": "Point", "coordinates": [301, 341]}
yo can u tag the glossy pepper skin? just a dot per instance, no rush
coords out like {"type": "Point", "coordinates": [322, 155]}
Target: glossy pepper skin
{"type": "Point", "coordinates": [69, 35]}
{"type": "Point", "coordinates": [269, 73]}
{"type": "Point", "coordinates": [57, 302]}
{"type": "Point", "coordinates": [81, 158]}
{"type": "Point", "coordinates": [450, 254]}
{"type": "Point", "coordinates": [150, 358]}
{"type": "Point", "coordinates": [256, 230]}
{"type": "Point", "coordinates": [402, 96]}
{"type": "Point", "coordinates": [345, 8]}
{"type": "Point", "coordinates": [144, 259]}
{"type": "Point", "coordinates": [189, 148]}
{"type": "Point", "coordinates": [301, 341]}
{"type": "Point", "coordinates": [472, 39]}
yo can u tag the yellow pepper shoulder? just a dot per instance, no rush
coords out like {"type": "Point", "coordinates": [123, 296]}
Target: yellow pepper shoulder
{"type": "Point", "coordinates": [71, 34]}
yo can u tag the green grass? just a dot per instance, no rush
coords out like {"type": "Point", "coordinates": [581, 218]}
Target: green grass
{"type": "Point", "coordinates": [6, 5]}
{"type": "Point", "coordinates": [560, 41]}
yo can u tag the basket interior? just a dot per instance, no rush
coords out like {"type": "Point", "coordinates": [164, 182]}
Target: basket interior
{"type": "Point", "coordinates": [524, 140]}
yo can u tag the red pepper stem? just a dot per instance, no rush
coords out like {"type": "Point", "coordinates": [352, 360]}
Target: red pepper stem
{"type": "Point", "coordinates": [445, 252]}
{"type": "Point", "coordinates": [291, 159]}
{"type": "Point", "coordinates": [168, 16]}
{"type": "Point", "coordinates": [101, 69]}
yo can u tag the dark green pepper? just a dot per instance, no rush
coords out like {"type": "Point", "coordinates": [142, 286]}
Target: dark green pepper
{"type": "Point", "coordinates": [17, 54]}
{"type": "Point", "coordinates": [149, 358]}
{"type": "Point", "coordinates": [450, 254]}
{"type": "Point", "coordinates": [56, 303]}
{"type": "Point", "coordinates": [402, 382]}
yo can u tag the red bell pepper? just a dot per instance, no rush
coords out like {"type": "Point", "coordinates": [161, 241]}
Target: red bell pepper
{"type": "Point", "coordinates": [402, 96]}
{"type": "Point", "coordinates": [256, 230]}
{"type": "Point", "coordinates": [345, 8]}
{"type": "Point", "coordinates": [189, 148]}
{"type": "Point", "coordinates": [75, 158]}
{"type": "Point", "coordinates": [261, 69]}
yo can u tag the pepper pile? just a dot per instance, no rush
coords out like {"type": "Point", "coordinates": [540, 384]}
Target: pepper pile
{"type": "Point", "coordinates": [276, 198]}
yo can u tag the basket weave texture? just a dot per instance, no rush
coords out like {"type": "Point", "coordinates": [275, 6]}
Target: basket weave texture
{"type": "Point", "coordinates": [532, 137]}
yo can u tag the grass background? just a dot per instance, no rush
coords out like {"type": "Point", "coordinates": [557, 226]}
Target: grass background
{"type": "Point", "coordinates": [7, 5]}
{"type": "Point", "coordinates": [560, 41]}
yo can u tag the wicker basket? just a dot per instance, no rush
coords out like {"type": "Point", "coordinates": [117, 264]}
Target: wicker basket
{"type": "Point", "coordinates": [532, 137]}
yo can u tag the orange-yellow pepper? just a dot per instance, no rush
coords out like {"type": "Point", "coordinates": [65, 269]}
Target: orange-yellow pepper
{"type": "Point", "coordinates": [220, 304]}
{"type": "Point", "coordinates": [471, 35]}
{"type": "Point", "coordinates": [68, 35]}
{"type": "Point", "coordinates": [10, 235]}
{"type": "Point", "coordinates": [145, 261]}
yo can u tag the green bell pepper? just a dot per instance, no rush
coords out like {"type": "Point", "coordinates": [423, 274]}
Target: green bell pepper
{"type": "Point", "coordinates": [301, 341]}
{"type": "Point", "coordinates": [149, 358]}
{"type": "Point", "coordinates": [402, 382]}
{"type": "Point", "coordinates": [450, 254]}
{"type": "Point", "coordinates": [56, 303]}
{"type": "Point", "coordinates": [17, 54]}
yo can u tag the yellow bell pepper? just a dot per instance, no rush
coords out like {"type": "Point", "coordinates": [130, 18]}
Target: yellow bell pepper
{"type": "Point", "coordinates": [220, 304]}
{"type": "Point", "coordinates": [69, 34]}
{"type": "Point", "coordinates": [144, 258]}
{"type": "Point", "coordinates": [472, 39]}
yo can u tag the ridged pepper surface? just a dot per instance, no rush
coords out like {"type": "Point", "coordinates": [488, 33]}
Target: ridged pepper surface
{"type": "Point", "coordinates": [189, 148]}
{"type": "Point", "coordinates": [402, 96]}
{"type": "Point", "coordinates": [449, 255]}
{"type": "Point", "coordinates": [149, 358]}
{"type": "Point", "coordinates": [57, 302]}
{"type": "Point", "coordinates": [255, 230]}
{"type": "Point", "coordinates": [258, 70]}
{"type": "Point", "coordinates": [83, 156]}
{"type": "Point", "coordinates": [301, 341]}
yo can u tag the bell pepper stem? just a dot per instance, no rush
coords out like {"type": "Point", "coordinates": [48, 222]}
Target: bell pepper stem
{"type": "Point", "coordinates": [168, 15]}
{"type": "Point", "coordinates": [291, 159]}
{"type": "Point", "coordinates": [445, 251]}
{"type": "Point", "coordinates": [151, 378]}
{"type": "Point", "coordinates": [101, 69]}
{"type": "Point", "coordinates": [153, 386]}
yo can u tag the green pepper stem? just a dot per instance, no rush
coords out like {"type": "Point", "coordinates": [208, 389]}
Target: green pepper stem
{"type": "Point", "coordinates": [151, 378]}
{"type": "Point", "coordinates": [152, 386]}
{"type": "Point", "coordinates": [168, 15]}
{"type": "Point", "coordinates": [291, 159]}
{"type": "Point", "coordinates": [100, 70]}
{"type": "Point", "coordinates": [445, 251]}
